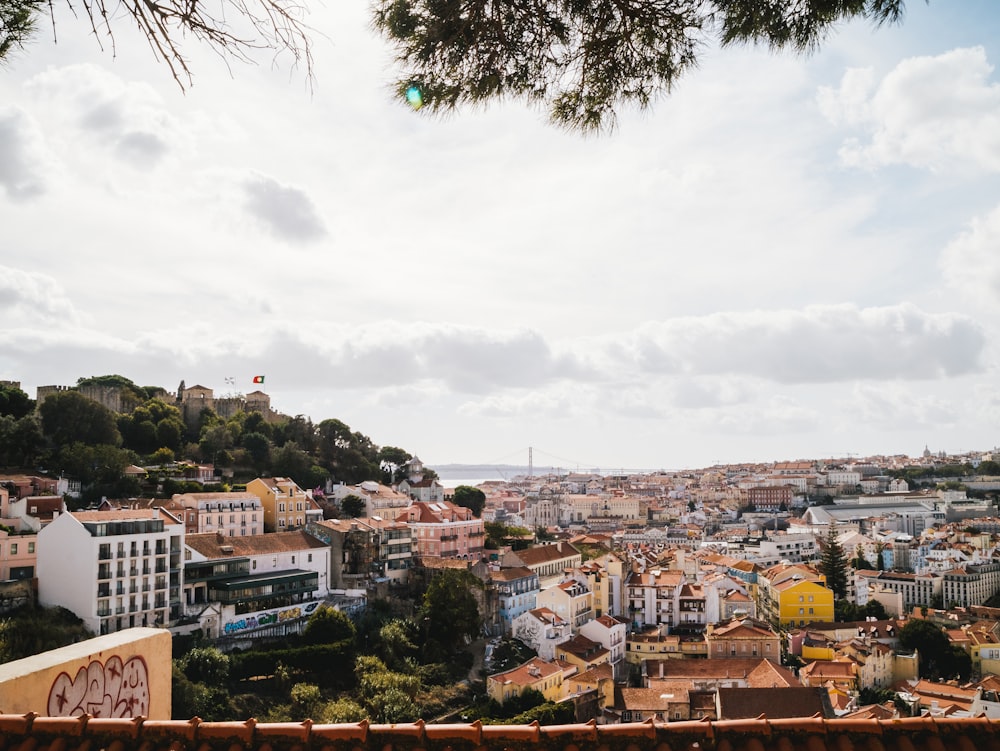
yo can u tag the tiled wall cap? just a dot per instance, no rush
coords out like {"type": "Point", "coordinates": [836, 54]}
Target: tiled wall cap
{"type": "Point", "coordinates": [354, 732]}
{"type": "Point", "coordinates": [283, 732]}
{"type": "Point", "coordinates": [582, 732]}
{"type": "Point", "coordinates": [758, 726]}
{"type": "Point", "coordinates": [239, 732]}
{"type": "Point", "coordinates": [115, 726]}
{"type": "Point", "coordinates": [637, 730]}
{"type": "Point", "coordinates": [64, 726]}
{"type": "Point", "coordinates": [405, 729]}
{"type": "Point", "coordinates": [173, 729]}
{"type": "Point", "coordinates": [471, 733]}
{"type": "Point", "coordinates": [16, 724]}
{"type": "Point", "coordinates": [512, 733]}
{"type": "Point", "coordinates": [798, 725]}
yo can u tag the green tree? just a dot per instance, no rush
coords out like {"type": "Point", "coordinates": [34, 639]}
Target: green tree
{"type": "Point", "coordinates": [328, 626]}
{"type": "Point", "coordinates": [931, 642]}
{"type": "Point", "coordinates": [583, 60]}
{"type": "Point", "coordinates": [307, 701]}
{"type": "Point", "coordinates": [206, 665]}
{"type": "Point", "coordinates": [397, 643]}
{"type": "Point", "coordinates": [392, 461]}
{"type": "Point", "coordinates": [258, 447]}
{"type": "Point", "coordinates": [833, 564]}
{"type": "Point", "coordinates": [342, 710]}
{"type": "Point", "coordinates": [449, 611]}
{"type": "Point", "coordinates": [352, 506]}
{"type": "Point", "coordinates": [21, 440]}
{"type": "Point", "coordinates": [69, 417]}
{"type": "Point", "coordinates": [471, 498]}
{"type": "Point", "coordinates": [13, 401]}
{"type": "Point", "coordinates": [31, 630]}
{"type": "Point", "coordinates": [388, 696]}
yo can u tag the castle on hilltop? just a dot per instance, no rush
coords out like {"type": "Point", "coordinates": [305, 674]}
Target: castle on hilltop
{"type": "Point", "coordinates": [190, 401]}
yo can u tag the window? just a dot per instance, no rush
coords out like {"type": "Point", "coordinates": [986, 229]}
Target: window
{"type": "Point", "coordinates": [13, 548]}
{"type": "Point", "coordinates": [801, 598]}
{"type": "Point", "coordinates": [281, 507]}
{"type": "Point", "coordinates": [810, 611]}
{"type": "Point", "coordinates": [293, 561]}
{"type": "Point", "coordinates": [254, 564]}
{"type": "Point", "coordinates": [802, 611]}
{"type": "Point", "coordinates": [281, 522]}
{"type": "Point", "coordinates": [309, 557]}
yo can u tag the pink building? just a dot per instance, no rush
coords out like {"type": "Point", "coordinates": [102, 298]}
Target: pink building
{"type": "Point", "coordinates": [17, 556]}
{"type": "Point", "coordinates": [444, 530]}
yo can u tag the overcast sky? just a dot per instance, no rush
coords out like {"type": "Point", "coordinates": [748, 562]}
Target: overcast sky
{"type": "Point", "coordinates": [788, 257]}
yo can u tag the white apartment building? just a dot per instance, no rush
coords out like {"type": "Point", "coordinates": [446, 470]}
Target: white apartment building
{"type": "Point", "coordinates": [610, 633]}
{"type": "Point", "coordinates": [249, 579]}
{"type": "Point", "coordinates": [228, 514]}
{"type": "Point", "coordinates": [113, 569]}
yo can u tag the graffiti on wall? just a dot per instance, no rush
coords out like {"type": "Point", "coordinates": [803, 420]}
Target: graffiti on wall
{"type": "Point", "coordinates": [269, 618]}
{"type": "Point", "coordinates": [111, 689]}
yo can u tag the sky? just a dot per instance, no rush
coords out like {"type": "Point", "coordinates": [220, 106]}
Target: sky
{"type": "Point", "coordinates": [787, 257]}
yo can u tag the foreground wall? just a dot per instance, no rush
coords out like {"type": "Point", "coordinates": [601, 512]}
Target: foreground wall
{"type": "Point", "coordinates": [126, 674]}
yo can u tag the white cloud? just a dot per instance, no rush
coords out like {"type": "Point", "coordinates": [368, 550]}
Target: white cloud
{"type": "Point", "coordinates": [818, 344]}
{"type": "Point", "coordinates": [935, 113]}
{"type": "Point", "coordinates": [29, 297]}
{"type": "Point", "coordinates": [971, 263]}
{"type": "Point", "coordinates": [779, 415]}
{"type": "Point", "coordinates": [893, 406]}
{"type": "Point", "coordinates": [23, 155]}
{"type": "Point", "coordinates": [285, 211]}
{"type": "Point", "coordinates": [123, 118]}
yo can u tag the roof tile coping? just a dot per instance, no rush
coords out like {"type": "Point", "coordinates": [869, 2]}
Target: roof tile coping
{"type": "Point", "coordinates": [55, 732]}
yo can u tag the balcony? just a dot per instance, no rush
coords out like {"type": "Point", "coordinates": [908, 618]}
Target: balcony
{"type": "Point", "coordinates": [103, 612]}
{"type": "Point", "coordinates": [119, 610]}
{"type": "Point", "coordinates": [104, 555]}
{"type": "Point", "coordinates": [105, 574]}
{"type": "Point", "coordinates": [104, 590]}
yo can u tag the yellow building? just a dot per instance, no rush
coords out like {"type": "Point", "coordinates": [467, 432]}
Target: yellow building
{"type": "Point", "coordinates": [800, 601]}
{"type": "Point", "coordinates": [540, 675]}
{"type": "Point", "coordinates": [285, 503]}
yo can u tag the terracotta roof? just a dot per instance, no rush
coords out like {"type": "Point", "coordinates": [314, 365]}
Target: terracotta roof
{"type": "Point", "coordinates": [770, 675]}
{"type": "Point", "coordinates": [798, 702]}
{"type": "Point", "coordinates": [211, 544]}
{"type": "Point", "coordinates": [546, 553]}
{"type": "Point", "coordinates": [511, 574]}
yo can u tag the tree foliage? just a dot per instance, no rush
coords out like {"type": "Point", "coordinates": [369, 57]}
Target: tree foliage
{"type": "Point", "coordinates": [13, 401]}
{"type": "Point", "coordinates": [833, 564]}
{"type": "Point", "coordinates": [69, 417]}
{"type": "Point", "coordinates": [31, 630]}
{"type": "Point", "coordinates": [352, 506]}
{"type": "Point", "coordinates": [580, 59]}
{"type": "Point", "coordinates": [583, 60]}
{"type": "Point", "coordinates": [471, 498]}
{"type": "Point", "coordinates": [449, 610]}
{"type": "Point", "coordinates": [328, 626]}
{"type": "Point", "coordinates": [939, 658]}
{"type": "Point", "coordinates": [233, 28]}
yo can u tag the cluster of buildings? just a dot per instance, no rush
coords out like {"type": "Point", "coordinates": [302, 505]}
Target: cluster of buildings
{"type": "Point", "coordinates": [671, 596]}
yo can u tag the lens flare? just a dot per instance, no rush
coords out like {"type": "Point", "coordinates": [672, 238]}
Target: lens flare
{"type": "Point", "coordinates": [414, 97]}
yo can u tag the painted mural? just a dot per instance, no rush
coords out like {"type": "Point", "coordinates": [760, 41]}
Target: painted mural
{"type": "Point", "coordinates": [111, 689]}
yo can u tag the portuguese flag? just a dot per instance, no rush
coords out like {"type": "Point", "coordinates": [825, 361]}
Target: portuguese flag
{"type": "Point", "coordinates": [258, 379]}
